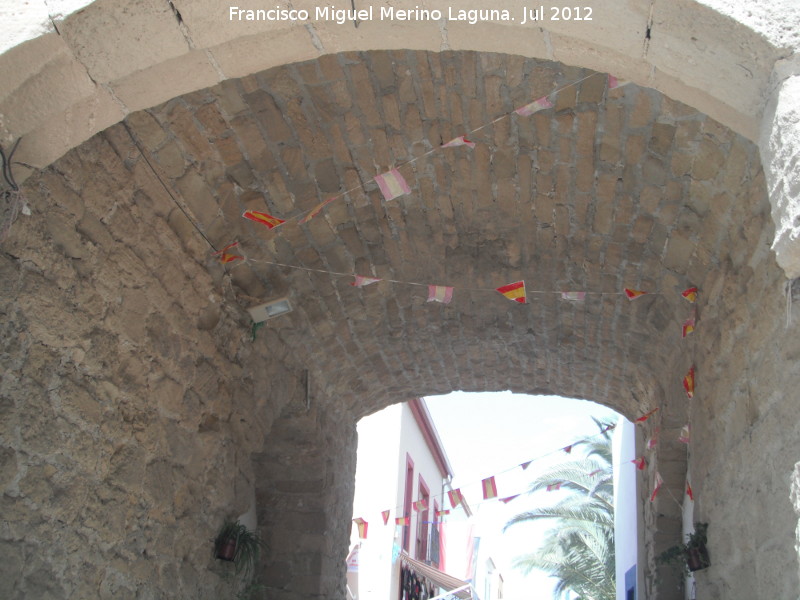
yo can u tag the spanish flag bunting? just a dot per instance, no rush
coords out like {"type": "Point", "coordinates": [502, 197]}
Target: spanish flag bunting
{"type": "Point", "coordinates": [362, 527]}
{"type": "Point", "coordinates": [225, 257]}
{"type": "Point", "coordinates": [614, 83]}
{"type": "Point", "coordinates": [402, 521]}
{"type": "Point", "coordinates": [653, 441]}
{"type": "Point", "coordinates": [640, 463]}
{"type": "Point", "coordinates": [489, 488]}
{"type": "Point", "coordinates": [508, 499]}
{"type": "Point", "coordinates": [442, 513]}
{"type": "Point", "coordinates": [514, 291]}
{"type": "Point", "coordinates": [421, 504]}
{"type": "Point", "coordinates": [688, 383]}
{"type": "Point", "coordinates": [633, 294]}
{"type": "Point", "coordinates": [316, 210]}
{"type": "Point", "coordinates": [573, 296]}
{"type": "Point", "coordinates": [568, 449]}
{"type": "Point", "coordinates": [535, 106]}
{"type": "Point", "coordinates": [646, 416]}
{"type": "Point", "coordinates": [685, 435]}
{"type": "Point", "coordinates": [455, 497]}
{"type": "Point", "coordinates": [440, 293]}
{"type": "Point", "coordinates": [385, 515]}
{"type": "Point", "coordinates": [361, 281]}
{"type": "Point", "coordinates": [263, 218]}
{"type": "Point", "coordinates": [688, 327]}
{"type": "Point", "coordinates": [525, 465]}
{"type": "Point", "coordinates": [689, 491]}
{"type": "Point", "coordinates": [554, 486]}
{"type": "Point", "coordinates": [656, 486]}
{"type": "Point", "coordinates": [392, 184]}
{"type": "Point", "coordinates": [459, 141]}
{"type": "Point", "coordinates": [690, 294]}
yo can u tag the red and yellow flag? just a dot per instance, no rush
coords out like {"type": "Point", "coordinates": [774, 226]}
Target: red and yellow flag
{"type": "Point", "coordinates": [420, 505]}
{"type": "Point", "coordinates": [392, 184]}
{"type": "Point", "coordinates": [362, 527]}
{"type": "Point", "coordinates": [225, 257]}
{"type": "Point", "coordinates": [442, 513]}
{"type": "Point", "coordinates": [263, 218]}
{"type": "Point", "coordinates": [402, 521]}
{"type": "Point", "coordinates": [385, 515]}
{"type": "Point", "coordinates": [646, 416]}
{"type": "Point", "coordinates": [489, 488]}
{"type": "Point", "coordinates": [525, 465]}
{"type": "Point", "coordinates": [656, 486]}
{"type": "Point", "coordinates": [459, 141]}
{"type": "Point", "coordinates": [688, 383]}
{"type": "Point", "coordinates": [315, 211]}
{"type": "Point", "coordinates": [633, 294]}
{"type": "Point", "coordinates": [554, 486]}
{"type": "Point", "coordinates": [640, 463]}
{"type": "Point", "coordinates": [455, 497]}
{"type": "Point", "coordinates": [514, 291]}
{"type": "Point", "coordinates": [508, 499]}
{"type": "Point", "coordinates": [567, 449]}
{"type": "Point", "coordinates": [614, 82]}
{"type": "Point", "coordinates": [361, 281]}
{"type": "Point", "coordinates": [688, 327]}
{"type": "Point", "coordinates": [690, 294]}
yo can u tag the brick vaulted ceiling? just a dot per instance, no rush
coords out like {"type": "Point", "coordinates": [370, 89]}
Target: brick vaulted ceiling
{"type": "Point", "coordinates": [607, 189]}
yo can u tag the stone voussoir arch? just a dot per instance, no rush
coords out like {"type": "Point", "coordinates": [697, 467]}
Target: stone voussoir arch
{"type": "Point", "coordinates": [735, 62]}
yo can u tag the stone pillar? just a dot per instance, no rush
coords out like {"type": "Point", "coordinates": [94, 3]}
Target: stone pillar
{"type": "Point", "coordinates": [304, 493]}
{"type": "Point", "coordinates": [780, 153]}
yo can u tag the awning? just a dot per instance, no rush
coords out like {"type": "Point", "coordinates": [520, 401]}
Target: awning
{"type": "Point", "coordinates": [461, 589]}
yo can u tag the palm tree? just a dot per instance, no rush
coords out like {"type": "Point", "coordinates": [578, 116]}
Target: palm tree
{"type": "Point", "coordinates": [579, 551]}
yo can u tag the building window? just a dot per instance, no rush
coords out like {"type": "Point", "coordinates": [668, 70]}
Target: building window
{"type": "Point", "coordinates": [409, 493]}
{"type": "Point", "coordinates": [422, 522]}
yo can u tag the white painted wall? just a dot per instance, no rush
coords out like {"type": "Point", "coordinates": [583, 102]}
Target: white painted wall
{"type": "Point", "coordinates": [625, 513]}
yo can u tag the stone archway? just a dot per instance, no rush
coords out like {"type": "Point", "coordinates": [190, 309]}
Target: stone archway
{"type": "Point", "coordinates": [140, 411]}
{"type": "Point", "coordinates": [136, 411]}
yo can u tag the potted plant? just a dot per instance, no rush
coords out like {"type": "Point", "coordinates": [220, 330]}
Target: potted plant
{"type": "Point", "coordinates": [693, 554]}
{"type": "Point", "coordinates": [237, 544]}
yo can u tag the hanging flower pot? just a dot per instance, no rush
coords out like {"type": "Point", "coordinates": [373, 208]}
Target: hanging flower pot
{"type": "Point", "coordinates": [226, 550]}
{"type": "Point", "coordinates": [236, 544]}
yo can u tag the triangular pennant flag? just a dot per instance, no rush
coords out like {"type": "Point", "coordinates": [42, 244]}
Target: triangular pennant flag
{"type": "Point", "coordinates": [685, 435]}
{"type": "Point", "coordinates": [653, 441]}
{"type": "Point", "coordinates": [690, 294]}
{"type": "Point", "coordinates": [385, 515]}
{"type": "Point", "coordinates": [656, 486]}
{"type": "Point", "coordinates": [688, 383]}
{"type": "Point", "coordinates": [315, 211]}
{"type": "Point", "coordinates": [646, 416]}
{"type": "Point", "coordinates": [392, 184]}
{"type": "Point", "coordinates": [688, 327]}
{"type": "Point", "coordinates": [614, 83]}
{"type": "Point", "coordinates": [535, 106]}
{"type": "Point", "coordinates": [567, 449]}
{"type": "Point", "coordinates": [609, 427]}
{"type": "Point", "coordinates": [442, 513]}
{"type": "Point", "coordinates": [421, 504]}
{"type": "Point", "coordinates": [402, 521]}
{"type": "Point", "coordinates": [508, 499]}
{"type": "Point", "coordinates": [640, 463]}
{"type": "Point", "coordinates": [440, 293]}
{"type": "Point", "coordinates": [489, 488]}
{"type": "Point", "coordinates": [362, 281]}
{"type": "Point", "coordinates": [689, 491]}
{"type": "Point", "coordinates": [633, 294]}
{"type": "Point", "coordinates": [263, 218]}
{"type": "Point", "coordinates": [459, 141]}
{"type": "Point", "coordinates": [525, 465]}
{"type": "Point", "coordinates": [225, 257]}
{"type": "Point", "coordinates": [514, 291]}
{"type": "Point", "coordinates": [574, 296]}
{"type": "Point", "coordinates": [362, 527]}
{"type": "Point", "coordinates": [554, 486]}
{"type": "Point", "coordinates": [455, 497]}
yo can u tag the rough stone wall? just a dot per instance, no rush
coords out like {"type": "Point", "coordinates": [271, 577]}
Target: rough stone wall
{"type": "Point", "coordinates": [132, 396]}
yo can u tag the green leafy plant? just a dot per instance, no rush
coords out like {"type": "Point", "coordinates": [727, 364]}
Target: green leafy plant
{"type": "Point", "coordinates": [693, 555]}
{"type": "Point", "coordinates": [237, 544]}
